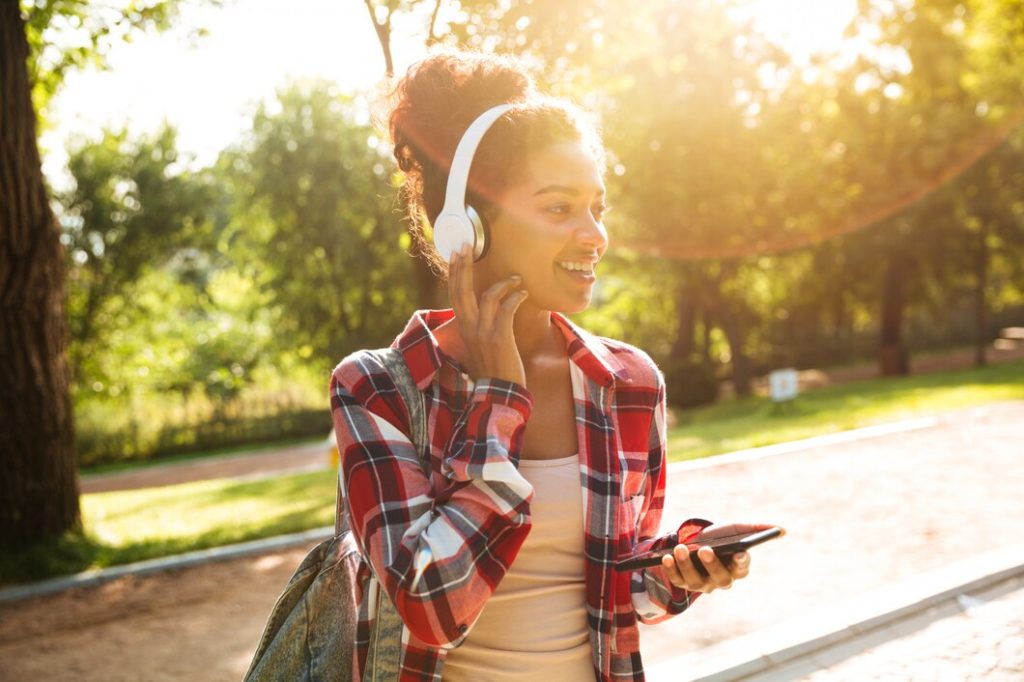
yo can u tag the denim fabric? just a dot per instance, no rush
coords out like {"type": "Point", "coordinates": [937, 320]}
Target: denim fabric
{"type": "Point", "coordinates": [311, 617]}
{"type": "Point", "coordinates": [311, 632]}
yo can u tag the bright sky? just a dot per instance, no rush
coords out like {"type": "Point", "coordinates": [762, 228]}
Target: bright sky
{"type": "Point", "coordinates": [209, 89]}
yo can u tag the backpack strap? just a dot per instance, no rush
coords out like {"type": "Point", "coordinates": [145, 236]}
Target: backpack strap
{"type": "Point", "coordinates": [383, 660]}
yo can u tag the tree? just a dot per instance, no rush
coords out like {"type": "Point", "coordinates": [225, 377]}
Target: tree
{"type": "Point", "coordinates": [38, 477]}
{"type": "Point", "coordinates": [127, 208]}
{"type": "Point", "coordinates": [319, 212]}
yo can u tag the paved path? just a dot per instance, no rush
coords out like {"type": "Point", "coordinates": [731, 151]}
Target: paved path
{"type": "Point", "coordinates": [860, 515]}
{"type": "Point", "coordinates": [985, 641]}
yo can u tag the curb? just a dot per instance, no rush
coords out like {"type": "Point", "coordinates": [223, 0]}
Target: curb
{"type": "Point", "coordinates": [847, 436]}
{"type": "Point", "coordinates": [802, 645]}
{"type": "Point", "coordinates": [223, 553]}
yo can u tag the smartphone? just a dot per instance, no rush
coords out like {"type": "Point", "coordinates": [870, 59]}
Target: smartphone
{"type": "Point", "coordinates": [724, 547]}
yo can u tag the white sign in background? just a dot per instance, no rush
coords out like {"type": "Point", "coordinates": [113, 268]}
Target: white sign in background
{"type": "Point", "coordinates": [782, 383]}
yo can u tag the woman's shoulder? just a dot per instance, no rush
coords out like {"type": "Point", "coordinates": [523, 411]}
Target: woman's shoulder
{"type": "Point", "coordinates": [639, 365]}
{"type": "Point", "coordinates": [362, 366]}
{"type": "Point", "coordinates": [362, 377]}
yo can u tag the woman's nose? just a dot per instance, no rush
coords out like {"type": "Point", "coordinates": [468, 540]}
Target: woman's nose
{"type": "Point", "coordinates": [592, 233]}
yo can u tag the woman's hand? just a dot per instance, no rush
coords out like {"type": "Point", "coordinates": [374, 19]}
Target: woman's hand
{"type": "Point", "coordinates": [682, 573]}
{"type": "Point", "coordinates": [486, 327]}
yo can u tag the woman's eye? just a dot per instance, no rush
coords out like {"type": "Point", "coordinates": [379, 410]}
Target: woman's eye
{"type": "Point", "coordinates": [600, 210]}
{"type": "Point", "coordinates": [559, 209]}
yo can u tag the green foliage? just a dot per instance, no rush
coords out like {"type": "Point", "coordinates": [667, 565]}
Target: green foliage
{"type": "Point", "coordinates": [759, 203]}
{"type": "Point", "coordinates": [130, 210]}
{"type": "Point", "coordinates": [690, 384]}
{"type": "Point", "coordinates": [316, 208]}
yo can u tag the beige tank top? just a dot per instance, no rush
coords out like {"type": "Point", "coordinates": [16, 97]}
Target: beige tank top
{"type": "Point", "coordinates": [534, 626]}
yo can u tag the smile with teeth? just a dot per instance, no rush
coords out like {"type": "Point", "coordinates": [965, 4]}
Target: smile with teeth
{"type": "Point", "coordinates": [586, 268]}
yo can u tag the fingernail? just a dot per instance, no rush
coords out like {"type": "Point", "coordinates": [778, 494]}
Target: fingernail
{"type": "Point", "coordinates": [517, 278]}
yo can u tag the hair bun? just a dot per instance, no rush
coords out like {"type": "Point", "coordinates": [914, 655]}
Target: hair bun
{"type": "Point", "coordinates": [441, 96]}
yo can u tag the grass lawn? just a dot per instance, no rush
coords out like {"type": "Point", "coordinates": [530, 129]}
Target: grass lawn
{"type": "Point", "coordinates": [752, 422]}
{"type": "Point", "coordinates": [134, 525]}
{"type": "Point", "coordinates": [122, 527]}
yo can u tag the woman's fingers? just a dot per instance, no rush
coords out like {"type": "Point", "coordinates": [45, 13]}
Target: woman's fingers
{"type": "Point", "coordinates": [718, 574]}
{"type": "Point", "coordinates": [686, 569]}
{"type": "Point", "coordinates": [467, 297]}
{"type": "Point", "coordinates": [491, 299]}
{"type": "Point", "coordinates": [740, 565]}
{"type": "Point", "coordinates": [509, 307]}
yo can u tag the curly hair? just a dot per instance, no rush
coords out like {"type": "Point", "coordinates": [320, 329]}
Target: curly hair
{"type": "Point", "coordinates": [433, 105]}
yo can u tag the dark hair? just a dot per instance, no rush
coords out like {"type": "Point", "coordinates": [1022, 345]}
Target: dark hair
{"type": "Point", "coordinates": [434, 104]}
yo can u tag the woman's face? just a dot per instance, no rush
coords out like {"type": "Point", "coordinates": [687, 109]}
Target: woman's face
{"type": "Point", "coordinates": [549, 230]}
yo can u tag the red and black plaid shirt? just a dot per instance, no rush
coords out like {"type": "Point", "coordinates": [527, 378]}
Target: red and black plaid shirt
{"type": "Point", "coordinates": [441, 544]}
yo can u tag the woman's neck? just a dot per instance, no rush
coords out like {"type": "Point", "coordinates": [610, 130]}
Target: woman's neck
{"type": "Point", "coordinates": [535, 333]}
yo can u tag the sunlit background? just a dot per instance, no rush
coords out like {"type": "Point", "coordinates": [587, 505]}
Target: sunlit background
{"type": "Point", "coordinates": [830, 186]}
{"type": "Point", "coordinates": [794, 184]}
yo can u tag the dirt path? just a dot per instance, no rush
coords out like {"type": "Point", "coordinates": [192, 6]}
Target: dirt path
{"type": "Point", "coordinates": [291, 459]}
{"type": "Point", "coordinates": [859, 515]}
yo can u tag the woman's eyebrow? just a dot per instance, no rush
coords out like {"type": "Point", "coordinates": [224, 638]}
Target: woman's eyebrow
{"type": "Point", "coordinates": [557, 188]}
{"type": "Point", "coordinates": [564, 189]}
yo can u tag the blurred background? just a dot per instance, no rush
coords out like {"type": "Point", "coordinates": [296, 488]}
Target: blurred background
{"type": "Point", "coordinates": [832, 186]}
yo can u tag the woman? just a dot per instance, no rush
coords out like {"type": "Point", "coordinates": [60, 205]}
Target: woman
{"type": "Point", "coordinates": [547, 443]}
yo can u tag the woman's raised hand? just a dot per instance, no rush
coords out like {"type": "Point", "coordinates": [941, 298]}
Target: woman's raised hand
{"type": "Point", "coordinates": [486, 326]}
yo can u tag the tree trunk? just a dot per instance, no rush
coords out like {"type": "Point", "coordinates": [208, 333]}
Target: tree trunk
{"type": "Point", "coordinates": [980, 308]}
{"type": "Point", "coordinates": [892, 356]}
{"type": "Point", "coordinates": [734, 333]}
{"type": "Point", "coordinates": [38, 473]}
{"type": "Point", "coordinates": [685, 345]}
{"type": "Point", "coordinates": [707, 324]}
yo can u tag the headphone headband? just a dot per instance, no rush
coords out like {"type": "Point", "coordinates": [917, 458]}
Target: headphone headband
{"type": "Point", "coordinates": [458, 176]}
{"type": "Point", "coordinates": [457, 223]}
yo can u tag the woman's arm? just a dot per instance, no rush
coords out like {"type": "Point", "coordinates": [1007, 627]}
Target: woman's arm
{"type": "Point", "coordinates": [439, 559]}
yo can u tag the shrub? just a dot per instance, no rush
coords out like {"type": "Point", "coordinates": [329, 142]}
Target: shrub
{"type": "Point", "coordinates": [690, 384]}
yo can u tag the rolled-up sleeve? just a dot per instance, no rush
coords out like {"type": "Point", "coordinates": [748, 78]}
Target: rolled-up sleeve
{"type": "Point", "coordinates": [439, 556]}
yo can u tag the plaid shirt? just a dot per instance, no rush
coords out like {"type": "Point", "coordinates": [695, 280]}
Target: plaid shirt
{"type": "Point", "coordinates": [441, 543]}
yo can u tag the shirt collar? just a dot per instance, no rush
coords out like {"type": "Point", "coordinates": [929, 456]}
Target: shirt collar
{"type": "Point", "coordinates": [422, 355]}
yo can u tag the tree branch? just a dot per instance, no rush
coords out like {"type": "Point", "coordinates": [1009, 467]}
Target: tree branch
{"type": "Point", "coordinates": [431, 38]}
{"type": "Point", "coordinates": [383, 35]}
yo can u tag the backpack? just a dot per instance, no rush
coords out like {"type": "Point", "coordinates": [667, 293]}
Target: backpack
{"type": "Point", "coordinates": [310, 634]}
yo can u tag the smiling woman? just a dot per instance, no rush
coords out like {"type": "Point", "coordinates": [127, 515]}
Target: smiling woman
{"type": "Point", "coordinates": [546, 457]}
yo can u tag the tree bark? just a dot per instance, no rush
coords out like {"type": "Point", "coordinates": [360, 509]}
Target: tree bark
{"type": "Point", "coordinates": [892, 355]}
{"type": "Point", "coordinates": [38, 473]}
{"type": "Point", "coordinates": [686, 305]}
{"type": "Point", "coordinates": [736, 336]}
{"type": "Point", "coordinates": [981, 256]}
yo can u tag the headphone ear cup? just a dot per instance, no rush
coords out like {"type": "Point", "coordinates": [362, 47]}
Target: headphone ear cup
{"type": "Point", "coordinates": [482, 231]}
{"type": "Point", "coordinates": [451, 231]}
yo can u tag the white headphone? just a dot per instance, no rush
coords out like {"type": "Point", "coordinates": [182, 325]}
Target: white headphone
{"type": "Point", "coordinates": [459, 223]}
